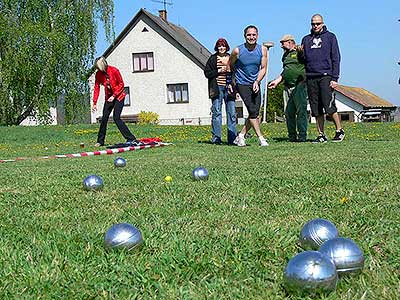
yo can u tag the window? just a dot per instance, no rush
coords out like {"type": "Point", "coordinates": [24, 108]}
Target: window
{"type": "Point", "coordinates": [127, 101]}
{"type": "Point", "coordinates": [178, 93]}
{"type": "Point", "coordinates": [143, 62]}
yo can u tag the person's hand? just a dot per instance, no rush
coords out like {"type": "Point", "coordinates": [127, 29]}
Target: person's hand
{"type": "Point", "coordinates": [333, 84]}
{"type": "Point", "coordinates": [111, 99]}
{"type": "Point", "coordinates": [299, 48]}
{"type": "Point", "coordinates": [256, 86]}
{"type": "Point", "coordinates": [230, 89]}
{"type": "Point", "coordinates": [94, 108]}
{"type": "Point", "coordinates": [222, 69]}
{"type": "Point", "coordinates": [273, 84]}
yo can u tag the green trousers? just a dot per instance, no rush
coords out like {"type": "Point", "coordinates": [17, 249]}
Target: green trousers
{"type": "Point", "coordinates": [295, 99]}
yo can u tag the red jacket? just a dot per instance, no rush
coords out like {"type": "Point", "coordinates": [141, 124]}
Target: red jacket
{"type": "Point", "coordinates": [113, 85]}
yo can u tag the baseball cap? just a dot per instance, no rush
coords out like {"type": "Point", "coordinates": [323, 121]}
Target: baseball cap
{"type": "Point", "coordinates": [287, 37]}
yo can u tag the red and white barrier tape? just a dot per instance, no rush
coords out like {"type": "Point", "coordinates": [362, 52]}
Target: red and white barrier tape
{"type": "Point", "coordinates": [84, 154]}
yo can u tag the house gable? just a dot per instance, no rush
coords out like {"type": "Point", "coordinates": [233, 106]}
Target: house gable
{"type": "Point", "coordinates": [174, 34]}
{"type": "Point", "coordinates": [175, 64]}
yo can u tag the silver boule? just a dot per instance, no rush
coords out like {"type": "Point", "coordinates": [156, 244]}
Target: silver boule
{"type": "Point", "coordinates": [93, 183]}
{"type": "Point", "coordinates": [200, 173]}
{"type": "Point", "coordinates": [123, 236]}
{"type": "Point", "coordinates": [345, 253]}
{"type": "Point", "coordinates": [310, 272]}
{"type": "Point", "coordinates": [315, 232]}
{"type": "Point", "coordinates": [120, 162]}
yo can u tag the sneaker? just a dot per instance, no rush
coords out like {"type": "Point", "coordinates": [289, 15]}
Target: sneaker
{"type": "Point", "coordinates": [263, 142]}
{"type": "Point", "coordinates": [97, 145]}
{"type": "Point", "coordinates": [320, 139]}
{"type": "Point", "coordinates": [216, 141]}
{"type": "Point", "coordinates": [339, 136]}
{"type": "Point", "coordinates": [240, 141]}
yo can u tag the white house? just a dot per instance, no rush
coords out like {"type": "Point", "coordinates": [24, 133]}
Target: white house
{"type": "Point", "coordinates": [162, 67]}
{"type": "Point", "coordinates": [359, 105]}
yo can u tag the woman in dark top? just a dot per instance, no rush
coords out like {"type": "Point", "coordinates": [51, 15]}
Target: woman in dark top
{"type": "Point", "coordinates": [218, 72]}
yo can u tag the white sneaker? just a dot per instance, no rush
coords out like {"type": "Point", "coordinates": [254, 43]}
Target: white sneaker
{"type": "Point", "coordinates": [241, 142]}
{"type": "Point", "coordinates": [263, 142]}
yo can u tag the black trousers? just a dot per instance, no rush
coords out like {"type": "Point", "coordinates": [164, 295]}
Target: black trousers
{"type": "Point", "coordinates": [251, 99]}
{"type": "Point", "coordinates": [108, 107]}
{"type": "Point", "coordinates": [321, 96]}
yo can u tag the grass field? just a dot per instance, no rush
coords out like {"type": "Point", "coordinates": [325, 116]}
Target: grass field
{"type": "Point", "coordinates": [226, 238]}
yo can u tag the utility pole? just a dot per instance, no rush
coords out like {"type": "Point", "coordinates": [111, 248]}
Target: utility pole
{"type": "Point", "coordinates": [267, 45]}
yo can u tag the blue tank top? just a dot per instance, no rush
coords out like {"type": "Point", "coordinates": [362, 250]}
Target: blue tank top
{"type": "Point", "coordinates": [248, 64]}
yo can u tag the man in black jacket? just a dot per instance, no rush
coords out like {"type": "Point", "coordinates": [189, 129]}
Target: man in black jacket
{"type": "Point", "coordinates": [322, 62]}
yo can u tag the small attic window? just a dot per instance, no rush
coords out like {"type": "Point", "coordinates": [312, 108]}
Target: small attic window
{"type": "Point", "coordinates": [145, 29]}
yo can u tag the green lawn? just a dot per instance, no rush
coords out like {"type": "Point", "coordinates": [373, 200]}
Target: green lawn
{"type": "Point", "coordinates": [226, 238]}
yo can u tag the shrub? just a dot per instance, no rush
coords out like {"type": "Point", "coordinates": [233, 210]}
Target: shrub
{"type": "Point", "coordinates": [148, 117]}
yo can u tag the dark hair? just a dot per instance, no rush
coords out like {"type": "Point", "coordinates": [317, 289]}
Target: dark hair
{"type": "Point", "coordinates": [221, 42]}
{"type": "Point", "coordinates": [248, 27]}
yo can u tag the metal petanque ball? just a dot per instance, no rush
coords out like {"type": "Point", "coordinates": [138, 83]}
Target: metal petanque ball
{"type": "Point", "coordinates": [310, 272]}
{"type": "Point", "coordinates": [122, 236]}
{"type": "Point", "coordinates": [93, 183]}
{"type": "Point", "coordinates": [345, 253]}
{"type": "Point", "coordinates": [315, 232]}
{"type": "Point", "coordinates": [120, 162]}
{"type": "Point", "coordinates": [200, 173]}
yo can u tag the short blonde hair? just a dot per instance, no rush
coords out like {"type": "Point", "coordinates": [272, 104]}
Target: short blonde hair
{"type": "Point", "coordinates": [101, 64]}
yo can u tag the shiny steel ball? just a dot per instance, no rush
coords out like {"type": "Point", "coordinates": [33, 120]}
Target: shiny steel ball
{"type": "Point", "coordinates": [200, 173]}
{"type": "Point", "coordinates": [345, 253]}
{"type": "Point", "coordinates": [93, 183]}
{"type": "Point", "coordinates": [123, 236]}
{"type": "Point", "coordinates": [315, 232]}
{"type": "Point", "coordinates": [310, 272]}
{"type": "Point", "coordinates": [120, 162]}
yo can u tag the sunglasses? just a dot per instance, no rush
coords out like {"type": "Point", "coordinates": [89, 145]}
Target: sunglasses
{"type": "Point", "coordinates": [315, 24]}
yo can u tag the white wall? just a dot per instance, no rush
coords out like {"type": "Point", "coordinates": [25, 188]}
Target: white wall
{"type": "Point", "coordinates": [148, 90]}
{"type": "Point", "coordinates": [344, 104]}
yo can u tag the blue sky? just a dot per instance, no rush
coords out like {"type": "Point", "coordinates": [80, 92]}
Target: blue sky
{"type": "Point", "coordinates": [368, 32]}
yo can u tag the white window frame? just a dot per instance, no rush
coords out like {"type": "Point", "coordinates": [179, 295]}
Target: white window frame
{"type": "Point", "coordinates": [143, 62]}
{"type": "Point", "coordinates": [127, 100]}
{"type": "Point", "coordinates": [178, 93]}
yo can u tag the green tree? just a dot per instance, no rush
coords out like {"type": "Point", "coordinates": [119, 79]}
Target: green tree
{"type": "Point", "coordinates": [274, 103]}
{"type": "Point", "coordinates": [46, 51]}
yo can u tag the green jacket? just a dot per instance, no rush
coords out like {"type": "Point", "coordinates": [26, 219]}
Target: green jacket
{"type": "Point", "coordinates": [293, 68]}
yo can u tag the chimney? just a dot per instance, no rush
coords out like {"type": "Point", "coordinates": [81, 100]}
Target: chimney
{"type": "Point", "coordinates": [163, 14]}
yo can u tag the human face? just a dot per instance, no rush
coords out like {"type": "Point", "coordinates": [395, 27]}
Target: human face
{"type": "Point", "coordinates": [316, 24]}
{"type": "Point", "coordinates": [287, 45]}
{"type": "Point", "coordinates": [221, 49]}
{"type": "Point", "coordinates": [251, 36]}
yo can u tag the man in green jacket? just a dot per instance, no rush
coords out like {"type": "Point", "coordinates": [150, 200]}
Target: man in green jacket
{"type": "Point", "coordinates": [295, 93]}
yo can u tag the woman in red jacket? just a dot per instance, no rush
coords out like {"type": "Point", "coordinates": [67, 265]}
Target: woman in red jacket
{"type": "Point", "coordinates": [111, 79]}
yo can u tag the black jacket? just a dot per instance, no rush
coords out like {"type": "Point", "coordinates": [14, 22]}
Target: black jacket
{"type": "Point", "coordinates": [211, 72]}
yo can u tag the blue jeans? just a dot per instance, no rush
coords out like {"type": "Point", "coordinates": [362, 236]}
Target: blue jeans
{"type": "Point", "coordinates": [216, 119]}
